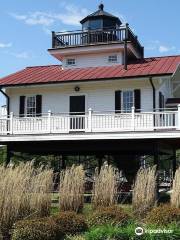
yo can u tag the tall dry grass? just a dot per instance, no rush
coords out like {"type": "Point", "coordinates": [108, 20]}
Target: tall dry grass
{"type": "Point", "coordinates": [145, 190]}
{"type": "Point", "coordinates": [105, 188]}
{"type": "Point", "coordinates": [175, 196]}
{"type": "Point", "coordinates": [24, 192]}
{"type": "Point", "coordinates": [71, 192]}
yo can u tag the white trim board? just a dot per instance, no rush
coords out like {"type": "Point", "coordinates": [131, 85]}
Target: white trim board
{"type": "Point", "coordinates": [92, 136]}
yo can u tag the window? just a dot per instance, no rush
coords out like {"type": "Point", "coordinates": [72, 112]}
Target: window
{"type": "Point", "coordinates": [112, 58]}
{"type": "Point", "coordinates": [95, 24]}
{"type": "Point", "coordinates": [70, 61]}
{"type": "Point", "coordinates": [127, 100]}
{"type": "Point", "coordinates": [161, 101]}
{"type": "Point", "coordinates": [31, 106]}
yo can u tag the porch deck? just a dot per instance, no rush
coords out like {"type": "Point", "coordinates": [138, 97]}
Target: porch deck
{"type": "Point", "coordinates": [90, 122]}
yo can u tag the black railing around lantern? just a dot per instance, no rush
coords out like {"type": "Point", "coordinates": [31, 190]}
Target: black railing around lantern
{"type": "Point", "coordinates": [94, 37]}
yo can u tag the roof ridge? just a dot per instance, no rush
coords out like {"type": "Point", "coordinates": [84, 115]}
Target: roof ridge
{"type": "Point", "coordinates": [178, 55]}
{"type": "Point", "coordinates": [52, 65]}
{"type": "Point", "coordinates": [60, 65]}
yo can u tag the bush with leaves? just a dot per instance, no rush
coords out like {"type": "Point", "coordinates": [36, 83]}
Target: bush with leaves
{"type": "Point", "coordinates": [110, 232]}
{"type": "Point", "coordinates": [163, 215]}
{"type": "Point", "coordinates": [109, 215]}
{"type": "Point", "coordinates": [77, 237]}
{"type": "Point", "coordinates": [37, 229]}
{"type": "Point", "coordinates": [70, 223]}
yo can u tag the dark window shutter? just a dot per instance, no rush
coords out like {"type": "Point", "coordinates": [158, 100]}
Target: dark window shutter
{"type": "Point", "coordinates": [117, 101]}
{"type": "Point", "coordinates": [160, 101]}
{"type": "Point", "coordinates": [22, 106]}
{"type": "Point", "coordinates": [163, 102]}
{"type": "Point", "coordinates": [137, 100]}
{"type": "Point", "coordinates": [38, 105]}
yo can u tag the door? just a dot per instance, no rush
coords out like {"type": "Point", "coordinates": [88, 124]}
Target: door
{"type": "Point", "coordinates": [77, 110]}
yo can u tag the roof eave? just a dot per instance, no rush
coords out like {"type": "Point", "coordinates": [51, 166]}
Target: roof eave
{"type": "Point", "coordinates": [84, 80]}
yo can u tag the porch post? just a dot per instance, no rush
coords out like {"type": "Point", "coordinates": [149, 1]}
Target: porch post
{"type": "Point", "coordinates": [11, 123]}
{"type": "Point", "coordinates": [89, 120]}
{"type": "Point", "coordinates": [49, 121]}
{"type": "Point", "coordinates": [133, 118]}
{"type": "Point", "coordinates": [178, 117]}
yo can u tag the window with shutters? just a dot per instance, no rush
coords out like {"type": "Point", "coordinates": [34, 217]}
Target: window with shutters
{"type": "Point", "coordinates": [31, 106]}
{"type": "Point", "coordinates": [127, 100]}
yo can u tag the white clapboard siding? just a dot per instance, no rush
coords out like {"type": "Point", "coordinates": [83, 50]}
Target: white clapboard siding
{"type": "Point", "coordinates": [100, 96]}
{"type": "Point", "coordinates": [93, 60]}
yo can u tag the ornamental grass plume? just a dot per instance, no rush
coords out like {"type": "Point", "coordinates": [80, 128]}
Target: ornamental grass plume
{"type": "Point", "coordinates": [145, 190]}
{"type": "Point", "coordinates": [71, 192]}
{"type": "Point", "coordinates": [105, 188]}
{"type": "Point", "coordinates": [175, 195]}
{"type": "Point", "coordinates": [24, 192]}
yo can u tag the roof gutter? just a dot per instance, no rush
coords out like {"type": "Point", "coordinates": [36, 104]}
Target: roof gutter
{"type": "Point", "coordinates": [7, 100]}
{"type": "Point", "coordinates": [154, 93]}
{"type": "Point", "coordinates": [83, 80]}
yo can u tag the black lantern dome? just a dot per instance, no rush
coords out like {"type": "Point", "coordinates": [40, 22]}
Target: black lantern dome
{"type": "Point", "coordinates": [100, 20]}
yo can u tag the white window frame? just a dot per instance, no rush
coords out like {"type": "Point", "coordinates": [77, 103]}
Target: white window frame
{"type": "Point", "coordinates": [33, 114]}
{"type": "Point", "coordinates": [70, 62]}
{"type": "Point", "coordinates": [127, 110]}
{"type": "Point", "coordinates": [113, 58]}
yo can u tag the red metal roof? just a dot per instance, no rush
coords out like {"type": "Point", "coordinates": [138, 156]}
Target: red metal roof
{"type": "Point", "coordinates": [55, 73]}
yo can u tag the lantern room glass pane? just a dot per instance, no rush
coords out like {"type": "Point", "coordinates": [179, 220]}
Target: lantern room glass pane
{"type": "Point", "coordinates": [95, 24]}
{"type": "Point", "coordinates": [85, 25]}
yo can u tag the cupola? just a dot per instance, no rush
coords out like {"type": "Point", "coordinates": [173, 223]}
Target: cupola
{"type": "Point", "coordinates": [100, 20]}
{"type": "Point", "coordinates": [102, 41]}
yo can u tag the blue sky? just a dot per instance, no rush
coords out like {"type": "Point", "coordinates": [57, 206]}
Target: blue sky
{"type": "Point", "coordinates": [26, 27]}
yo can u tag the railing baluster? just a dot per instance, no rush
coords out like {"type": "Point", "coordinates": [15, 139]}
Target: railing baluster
{"type": "Point", "coordinates": [90, 122]}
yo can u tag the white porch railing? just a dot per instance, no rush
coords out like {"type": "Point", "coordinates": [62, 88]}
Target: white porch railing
{"type": "Point", "coordinates": [90, 122]}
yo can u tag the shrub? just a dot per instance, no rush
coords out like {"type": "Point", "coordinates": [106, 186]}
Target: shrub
{"type": "Point", "coordinates": [105, 188]}
{"type": "Point", "coordinates": [78, 237]}
{"type": "Point", "coordinates": [109, 215]}
{"type": "Point", "coordinates": [175, 196]}
{"type": "Point", "coordinates": [111, 233]}
{"type": "Point", "coordinates": [40, 229]}
{"type": "Point", "coordinates": [72, 189]}
{"type": "Point", "coordinates": [70, 223]}
{"type": "Point", "coordinates": [163, 215]}
{"type": "Point", "coordinates": [172, 232]}
{"type": "Point", "coordinates": [24, 192]}
{"type": "Point", "coordinates": [145, 190]}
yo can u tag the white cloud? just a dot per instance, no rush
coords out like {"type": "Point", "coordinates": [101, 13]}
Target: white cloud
{"type": "Point", "coordinates": [163, 49]}
{"type": "Point", "coordinates": [36, 18]}
{"type": "Point", "coordinates": [21, 55]}
{"type": "Point", "coordinates": [71, 15]}
{"type": "Point", "coordinates": [47, 30]}
{"type": "Point", "coordinates": [156, 45]}
{"type": "Point", "coordinates": [5, 45]}
{"type": "Point", "coordinates": [152, 45]}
